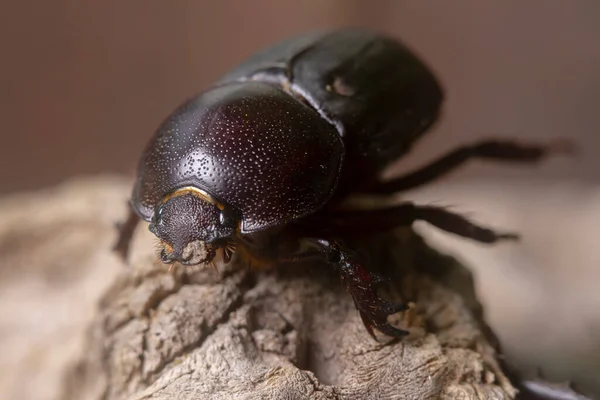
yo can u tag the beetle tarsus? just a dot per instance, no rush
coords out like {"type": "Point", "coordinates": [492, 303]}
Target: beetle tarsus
{"type": "Point", "coordinates": [362, 285]}
{"type": "Point", "coordinates": [497, 150]}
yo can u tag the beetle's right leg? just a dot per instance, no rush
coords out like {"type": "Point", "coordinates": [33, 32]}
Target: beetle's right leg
{"type": "Point", "coordinates": [362, 285]}
{"type": "Point", "coordinates": [490, 149]}
{"type": "Point", "coordinates": [126, 230]}
{"type": "Point", "coordinates": [359, 281]}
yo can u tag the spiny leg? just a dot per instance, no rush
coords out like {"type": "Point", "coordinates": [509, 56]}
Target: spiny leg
{"type": "Point", "coordinates": [359, 282]}
{"type": "Point", "coordinates": [497, 150]}
{"type": "Point", "coordinates": [360, 222]}
{"type": "Point", "coordinates": [362, 285]}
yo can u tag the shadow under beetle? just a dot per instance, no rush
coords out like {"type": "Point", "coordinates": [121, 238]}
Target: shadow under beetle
{"type": "Point", "coordinates": [262, 161]}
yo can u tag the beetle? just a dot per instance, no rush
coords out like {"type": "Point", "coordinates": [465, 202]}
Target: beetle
{"type": "Point", "coordinates": [261, 163]}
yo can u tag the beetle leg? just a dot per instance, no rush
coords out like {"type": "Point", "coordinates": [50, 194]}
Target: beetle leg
{"type": "Point", "coordinates": [359, 281]}
{"type": "Point", "coordinates": [362, 285]}
{"type": "Point", "coordinates": [126, 230]}
{"type": "Point", "coordinates": [362, 222]}
{"type": "Point", "coordinates": [489, 149]}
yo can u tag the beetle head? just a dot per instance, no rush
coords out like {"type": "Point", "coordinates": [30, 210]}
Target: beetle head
{"type": "Point", "coordinates": [192, 226]}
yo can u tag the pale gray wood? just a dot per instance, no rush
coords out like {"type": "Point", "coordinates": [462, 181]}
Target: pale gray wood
{"type": "Point", "coordinates": [288, 333]}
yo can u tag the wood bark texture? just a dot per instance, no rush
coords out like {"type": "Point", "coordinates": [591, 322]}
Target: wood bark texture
{"type": "Point", "coordinates": [238, 333]}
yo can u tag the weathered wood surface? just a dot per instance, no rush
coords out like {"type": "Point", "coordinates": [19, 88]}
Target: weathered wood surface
{"type": "Point", "coordinates": [233, 333]}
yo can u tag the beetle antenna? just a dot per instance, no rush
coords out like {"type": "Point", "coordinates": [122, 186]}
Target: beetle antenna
{"type": "Point", "coordinates": [228, 251]}
{"type": "Point", "coordinates": [231, 245]}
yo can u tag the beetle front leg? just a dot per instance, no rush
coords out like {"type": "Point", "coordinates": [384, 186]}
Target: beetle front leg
{"type": "Point", "coordinates": [496, 150]}
{"type": "Point", "coordinates": [362, 285]}
{"type": "Point", "coordinates": [126, 231]}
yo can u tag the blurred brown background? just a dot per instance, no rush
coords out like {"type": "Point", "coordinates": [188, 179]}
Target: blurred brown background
{"type": "Point", "coordinates": [84, 84]}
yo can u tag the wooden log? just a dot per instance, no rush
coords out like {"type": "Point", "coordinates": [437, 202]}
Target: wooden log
{"type": "Point", "coordinates": [231, 333]}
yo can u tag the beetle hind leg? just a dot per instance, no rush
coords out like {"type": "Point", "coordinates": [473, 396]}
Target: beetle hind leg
{"type": "Point", "coordinates": [494, 150]}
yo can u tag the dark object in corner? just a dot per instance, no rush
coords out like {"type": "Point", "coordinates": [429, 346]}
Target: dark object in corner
{"type": "Point", "coordinates": [539, 389]}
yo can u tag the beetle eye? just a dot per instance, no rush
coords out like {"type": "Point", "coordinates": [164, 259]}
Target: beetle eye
{"type": "Point", "coordinates": [227, 218]}
{"type": "Point", "coordinates": [159, 219]}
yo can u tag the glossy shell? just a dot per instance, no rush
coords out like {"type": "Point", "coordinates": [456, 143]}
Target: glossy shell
{"type": "Point", "coordinates": [379, 95]}
{"type": "Point", "coordinates": [251, 146]}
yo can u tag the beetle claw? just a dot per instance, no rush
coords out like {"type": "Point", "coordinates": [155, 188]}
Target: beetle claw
{"type": "Point", "coordinates": [374, 310]}
{"type": "Point", "coordinates": [377, 318]}
{"type": "Point", "coordinates": [378, 314]}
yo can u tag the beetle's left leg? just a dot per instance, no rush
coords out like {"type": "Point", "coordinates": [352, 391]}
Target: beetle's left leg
{"type": "Point", "coordinates": [126, 231]}
{"type": "Point", "coordinates": [362, 222]}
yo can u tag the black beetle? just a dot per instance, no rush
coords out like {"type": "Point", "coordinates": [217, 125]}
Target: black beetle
{"type": "Point", "coordinates": [275, 147]}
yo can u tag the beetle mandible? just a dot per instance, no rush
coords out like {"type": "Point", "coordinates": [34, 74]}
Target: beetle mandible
{"type": "Point", "coordinates": [276, 146]}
